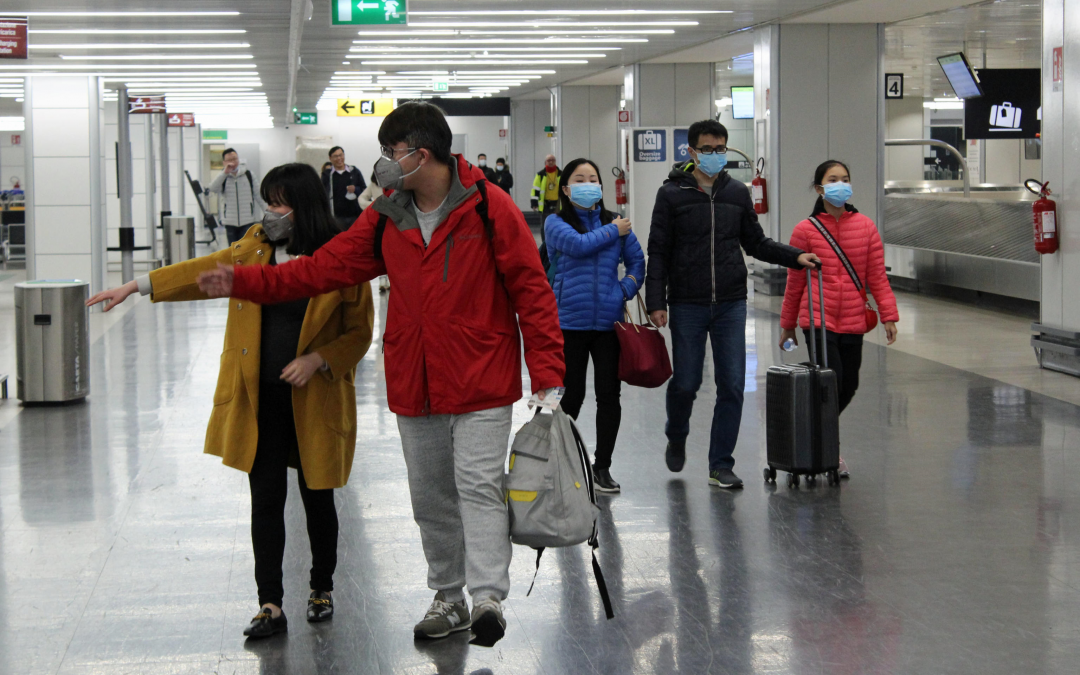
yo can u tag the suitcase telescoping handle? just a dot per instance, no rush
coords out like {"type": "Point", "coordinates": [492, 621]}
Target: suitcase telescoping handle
{"type": "Point", "coordinates": [810, 302]}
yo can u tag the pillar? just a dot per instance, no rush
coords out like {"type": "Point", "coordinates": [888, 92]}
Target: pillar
{"type": "Point", "coordinates": [819, 91]}
{"type": "Point", "coordinates": [65, 165]}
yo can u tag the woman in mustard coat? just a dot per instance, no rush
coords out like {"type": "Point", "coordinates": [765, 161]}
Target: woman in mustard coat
{"type": "Point", "coordinates": [285, 394]}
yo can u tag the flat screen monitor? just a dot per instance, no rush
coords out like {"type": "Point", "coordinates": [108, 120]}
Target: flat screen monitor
{"type": "Point", "coordinates": [961, 76]}
{"type": "Point", "coordinates": [742, 103]}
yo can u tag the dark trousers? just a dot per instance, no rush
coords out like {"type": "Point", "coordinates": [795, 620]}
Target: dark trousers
{"type": "Point", "coordinates": [603, 346]}
{"type": "Point", "coordinates": [724, 326]}
{"type": "Point", "coordinates": [845, 357]}
{"type": "Point", "coordinates": [235, 233]}
{"type": "Point", "coordinates": [269, 485]}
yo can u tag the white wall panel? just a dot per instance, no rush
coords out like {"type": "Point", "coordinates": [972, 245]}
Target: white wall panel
{"type": "Point", "coordinates": [62, 229]}
{"type": "Point", "coordinates": [66, 134]}
{"type": "Point", "coordinates": [64, 267]}
{"type": "Point", "coordinates": [61, 181]}
{"type": "Point", "coordinates": [693, 94]}
{"type": "Point", "coordinates": [63, 93]}
{"type": "Point", "coordinates": [657, 95]}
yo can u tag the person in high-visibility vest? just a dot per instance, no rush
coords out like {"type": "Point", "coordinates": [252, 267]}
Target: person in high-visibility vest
{"type": "Point", "coordinates": [545, 192]}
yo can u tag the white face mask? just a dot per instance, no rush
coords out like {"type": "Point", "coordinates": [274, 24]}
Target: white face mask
{"type": "Point", "coordinates": [481, 162]}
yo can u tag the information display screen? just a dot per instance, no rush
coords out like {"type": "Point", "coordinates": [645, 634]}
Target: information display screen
{"type": "Point", "coordinates": [960, 75]}
{"type": "Point", "coordinates": [742, 103]}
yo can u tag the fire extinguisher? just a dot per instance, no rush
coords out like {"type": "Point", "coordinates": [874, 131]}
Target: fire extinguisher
{"type": "Point", "coordinates": [1044, 212]}
{"type": "Point", "coordinates": [621, 197]}
{"type": "Point", "coordinates": [760, 189]}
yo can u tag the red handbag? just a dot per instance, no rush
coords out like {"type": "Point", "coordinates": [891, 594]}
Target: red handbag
{"type": "Point", "coordinates": [643, 356]}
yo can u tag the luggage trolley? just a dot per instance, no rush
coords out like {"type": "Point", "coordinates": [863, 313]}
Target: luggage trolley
{"type": "Point", "coordinates": [208, 219]}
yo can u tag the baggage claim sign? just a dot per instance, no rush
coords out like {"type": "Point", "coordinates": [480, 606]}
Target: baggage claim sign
{"type": "Point", "coordinates": [13, 37]}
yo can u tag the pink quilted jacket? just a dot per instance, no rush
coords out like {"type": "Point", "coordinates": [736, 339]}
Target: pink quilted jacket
{"type": "Point", "coordinates": [859, 238]}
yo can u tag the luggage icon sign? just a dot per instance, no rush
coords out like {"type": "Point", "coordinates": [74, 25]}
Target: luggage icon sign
{"type": "Point", "coordinates": [1005, 117]}
{"type": "Point", "coordinates": [649, 140]}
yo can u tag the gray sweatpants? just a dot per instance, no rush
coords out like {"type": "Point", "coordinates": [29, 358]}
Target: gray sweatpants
{"type": "Point", "coordinates": [456, 465]}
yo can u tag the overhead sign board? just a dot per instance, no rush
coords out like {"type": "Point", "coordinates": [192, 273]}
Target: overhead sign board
{"type": "Point", "coordinates": [146, 104]}
{"type": "Point", "coordinates": [305, 118]}
{"type": "Point", "coordinates": [1009, 107]}
{"type": "Point", "coordinates": [682, 145]}
{"type": "Point", "coordinates": [355, 107]}
{"type": "Point", "coordinates": [650, 145]}
{"type": "Point", "coordinates": [894, 86]}
{"type": "Point", "coordinates": [13, 37]}
{"type": "Point", "coordinates": [368, 12]}
{"type": "Point", "coordinates": [181, 119]}
{"type": "Point", "coordinates": [215, 135]}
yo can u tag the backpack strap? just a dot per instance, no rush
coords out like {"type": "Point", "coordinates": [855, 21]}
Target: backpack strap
{"type": "Point", "coordinates": [482, 209]}
{"type": "Point", "coordinates": [839, 254]}
{"type": "Point", "coordinates": [594, 542]}
{"type": "Point", "coordinates": [251, 184]}
{"type": "Point", "coordinates": [380, 228]}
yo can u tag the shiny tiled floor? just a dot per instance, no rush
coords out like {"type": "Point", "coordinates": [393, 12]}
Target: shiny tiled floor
{"type": "Point", "coordinates": [123, 549]}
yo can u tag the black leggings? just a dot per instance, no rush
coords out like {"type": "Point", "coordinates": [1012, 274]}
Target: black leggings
{"type": "Point", "coordinates": [845, 357]}
{"type": "Point", "coordinates": [269, 486]}
{"type": "Point", "coordinates": [578, 345]}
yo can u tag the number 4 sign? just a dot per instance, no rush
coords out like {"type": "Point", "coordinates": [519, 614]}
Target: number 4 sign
{"type": "Point", "coordinates": [894, 85]}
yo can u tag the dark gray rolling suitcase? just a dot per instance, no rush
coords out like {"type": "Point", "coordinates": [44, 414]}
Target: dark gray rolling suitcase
{"type": "Point", "coordinates": [802, 416]}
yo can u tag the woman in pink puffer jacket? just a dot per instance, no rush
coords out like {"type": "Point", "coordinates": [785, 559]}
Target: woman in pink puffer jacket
{"type": "Point", "coordinates": [845, 315]}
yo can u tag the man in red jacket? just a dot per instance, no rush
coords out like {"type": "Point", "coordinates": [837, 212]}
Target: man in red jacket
{"type": "Point", "coordinates": [466, 276]}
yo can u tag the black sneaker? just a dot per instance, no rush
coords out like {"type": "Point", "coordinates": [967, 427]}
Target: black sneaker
{"type": "Point", "coordinates": [320, 607]}
{"type": "Point", "coordinates": [675, 455]}
{"type": "Point", "coordinates": [265, 625]}
{"type": "Point", "coordinates": [725, 478]}
{"type": "Point", "coordinates": [603, 482]}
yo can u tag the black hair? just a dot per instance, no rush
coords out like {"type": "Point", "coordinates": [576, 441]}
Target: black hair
{"type": "Point", "coordinates": [567, 211]}
{"type": "Point", "coordinates": [298, 186]}
{"type": "Point", "coordinates": [335, 149]}
{"type": "Point", "coordinates": [228, 150]}
{"type": "Point", "coordinates": [501, 160]}
{"type": "Point", "coordinates": [374, 180]}
{"type": "Point", "coordinates": [482, 154]}
{"type": "Point", "coordinates": [819, 175]}
{"type": "Point", "coordinates": [419, 125]}
{"type": "Point", "coordinates": [705, 128]}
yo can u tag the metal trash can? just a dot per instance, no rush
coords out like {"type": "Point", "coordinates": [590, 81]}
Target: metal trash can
{"type": "Point", "coordinates": [52, 340]}
{"type": "Point", "coordinates": [181, 233]}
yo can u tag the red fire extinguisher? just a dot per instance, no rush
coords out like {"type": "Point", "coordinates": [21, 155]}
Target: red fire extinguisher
{"type": "Point", "coordinates": [760, 189]}
{"type": "Point", "coordinates": [621, 198]}
{"type": "Point", "coordinates": [1044, 212]}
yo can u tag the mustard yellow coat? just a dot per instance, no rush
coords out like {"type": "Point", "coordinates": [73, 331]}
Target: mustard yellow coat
{"type": "Point", "coordinates": [337, 325]}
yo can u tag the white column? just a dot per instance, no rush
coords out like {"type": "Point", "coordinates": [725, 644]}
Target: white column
{"type": "Point", "coordinates": [64, 164]}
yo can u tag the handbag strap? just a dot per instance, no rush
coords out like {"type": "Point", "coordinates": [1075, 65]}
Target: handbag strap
{"type": "Point", "coordinates": [840, 254]}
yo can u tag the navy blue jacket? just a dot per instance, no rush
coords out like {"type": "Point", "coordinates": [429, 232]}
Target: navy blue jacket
{"type": "Point", "coordinates": [587, 285]}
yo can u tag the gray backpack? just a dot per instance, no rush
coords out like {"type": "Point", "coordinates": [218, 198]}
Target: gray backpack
{"type": "Point", "coordinates": [549, 491]}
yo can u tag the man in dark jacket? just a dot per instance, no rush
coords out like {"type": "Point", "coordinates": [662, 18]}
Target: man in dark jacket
{"type": "Point", "coordinates": [343, 185]}
{"type": "Point", "coordinates": [702, 216]}
{"type": "Point", "coordinates": [489, 173]}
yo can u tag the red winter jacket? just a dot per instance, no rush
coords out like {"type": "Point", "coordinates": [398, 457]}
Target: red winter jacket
{"type": "Point", "coordinates": [451, 335]}
{"type": "Point", "coordinates": [859, 238]}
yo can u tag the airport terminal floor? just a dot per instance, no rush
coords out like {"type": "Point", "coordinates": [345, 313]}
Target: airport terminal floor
{"type": "Point", "coordinates": [124, 549]}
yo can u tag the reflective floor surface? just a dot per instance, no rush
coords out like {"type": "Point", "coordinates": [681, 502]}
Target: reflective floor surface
{"type": "Point", "coordinates": [952, 549]}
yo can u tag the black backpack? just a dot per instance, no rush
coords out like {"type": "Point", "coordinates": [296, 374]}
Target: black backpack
{"type": "Point", "coordinates": [481, 210]}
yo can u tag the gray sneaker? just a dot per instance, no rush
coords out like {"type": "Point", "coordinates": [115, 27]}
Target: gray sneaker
{"type": "Point", "coordinates": [443, 618]}
{"type": "Point", "coordinates": [488, 624]}
{"type": "Point", "coordinates": [725, 478]}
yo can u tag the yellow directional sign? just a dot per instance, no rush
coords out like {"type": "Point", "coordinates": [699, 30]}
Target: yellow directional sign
{"type": "Point", "coordinates": [357, 107]}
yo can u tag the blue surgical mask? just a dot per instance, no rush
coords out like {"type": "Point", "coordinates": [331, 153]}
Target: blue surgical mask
{"type": "Point", "coordinates": [713, 164]}
{"type": "Point", "coordinates": [586, 195]}
{"type": "Point", "coordinates": [837, 194]}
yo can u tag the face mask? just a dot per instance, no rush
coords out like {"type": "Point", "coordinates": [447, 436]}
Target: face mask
{"type": "Point", "coordinates": [481, 162]}
{"type": "Point", "coordinates": [713, 164]}
{"type": "Point", "coordinates": [837, 194]}
{"type": "Point", "coordinates": [499, 167]}
{"type": "Point", "coordinates": [586, 195]}
{"type": "Point", "coordinates": [277, 226]}
{"type": "Point", "coordinates": [390, 174]}
{"type": "Point", "coordinates": [550, 169]}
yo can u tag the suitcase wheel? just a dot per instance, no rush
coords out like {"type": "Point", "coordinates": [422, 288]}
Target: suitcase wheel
{"type": "Point", "coordinates": [770, 474]}
{"type": "Point", "coordinates": [833, 477]}
{"type": "Point", "coordinates": [792, 480]}
{"type": "Point", "coordinates": [811, 480]}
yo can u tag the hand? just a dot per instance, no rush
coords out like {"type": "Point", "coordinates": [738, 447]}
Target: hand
{"type": "Point", "coordinates": [788, 334]}
{"type": "Point", "coordinates": [890, 331]}
{"type": "Point", "coordinates": [217, 283]}
{"type": "Point", "coordinates": [302, 368]}
{"type": "Point", "coordinates": [535, 208]}
{"type": "Point", "coordinates": [810, 260]}
{"type": "Point", "coordinates": [350, 188]}
{"type": "Point", "coordinates": [624, 226]}
{"type": "Point", "coordinates": [114, 296]}
{"type": "Point", "coordinates": [659, 317]}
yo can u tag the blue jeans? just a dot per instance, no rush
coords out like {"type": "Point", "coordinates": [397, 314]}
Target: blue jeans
{"type": "Point", "coordinates": [725, 325]}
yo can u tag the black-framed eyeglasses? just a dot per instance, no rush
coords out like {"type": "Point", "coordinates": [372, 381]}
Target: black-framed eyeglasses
{"type": "Point", "coordinates": [389, 152]}
{"type": "Point", "coordinates": [709, 150]}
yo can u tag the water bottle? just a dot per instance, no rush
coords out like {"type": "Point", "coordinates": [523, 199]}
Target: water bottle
{"type": "Point", "coordinates": [789, 345]}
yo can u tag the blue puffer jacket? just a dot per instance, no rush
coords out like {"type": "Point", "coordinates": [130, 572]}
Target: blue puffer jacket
{"type": "Point", "coordinates": [587, 284]}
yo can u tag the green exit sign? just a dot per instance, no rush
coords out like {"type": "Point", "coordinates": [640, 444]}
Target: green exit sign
{"type": "Point", "coordinates": [368, 12]}
{"type": "Point", "coordinates": [440, 85]}
{"type": "Point", "coordinates": [305, 118]}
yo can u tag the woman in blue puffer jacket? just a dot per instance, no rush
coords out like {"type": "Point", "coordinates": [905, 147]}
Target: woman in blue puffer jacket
{"type": "Point", "coordinates": [585, 244]}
